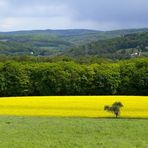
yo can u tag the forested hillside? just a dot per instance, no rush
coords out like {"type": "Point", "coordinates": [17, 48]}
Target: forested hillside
{"type": "Point", "coordinates": [129, 77]}
{"type": "Point", "coordinates": [120, 47]}
{"type": "Point", "coordinates": [58, 42]}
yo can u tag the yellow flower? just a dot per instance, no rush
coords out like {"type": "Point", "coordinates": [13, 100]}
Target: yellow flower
{"type": "Point", "coordinates": [79, 106]}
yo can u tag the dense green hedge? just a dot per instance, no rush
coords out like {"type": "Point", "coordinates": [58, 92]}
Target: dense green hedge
{"type": "Point", "coordinates": [69, 78]}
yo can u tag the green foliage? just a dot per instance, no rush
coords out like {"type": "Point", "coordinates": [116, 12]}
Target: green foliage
{"type": "Point", "coordinates": [106, 79]}
{"type": "Point", "coordinates": [66, 77]}
{"type": "Point", "coordinates": [14, 80]}
{"type": "Point", "coordinates": [134, 77]}
{"type": "Point", "coordinates": [115, 108]}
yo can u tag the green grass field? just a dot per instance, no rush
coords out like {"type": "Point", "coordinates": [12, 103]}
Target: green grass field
{"type": "Point", "coordinates": [47, 132]}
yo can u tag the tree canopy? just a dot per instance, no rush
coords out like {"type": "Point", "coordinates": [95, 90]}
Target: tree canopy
{"type": "Point", "coordinates": [128, 77]}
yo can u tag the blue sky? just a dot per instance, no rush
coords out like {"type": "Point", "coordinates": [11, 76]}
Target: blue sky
{"type": "Point", "coordinates": [73, 14]}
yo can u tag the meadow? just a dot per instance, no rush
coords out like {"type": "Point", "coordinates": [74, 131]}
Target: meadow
{"type": "Point", "coordinates": [55, 132]}
{"type": "Point", "coordinates": [73, 106]}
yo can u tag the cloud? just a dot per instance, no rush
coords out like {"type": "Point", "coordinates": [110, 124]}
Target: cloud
{"type": "Point", "coordinates": [34, 9]}
{"type": "Point", "coordinates": [57, 22]}
{"type": "Point", "coordinates": [62, 14]}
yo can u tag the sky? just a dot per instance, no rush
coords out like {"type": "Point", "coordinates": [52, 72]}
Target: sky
{"type": "Point", "coordinates": [73, 14]}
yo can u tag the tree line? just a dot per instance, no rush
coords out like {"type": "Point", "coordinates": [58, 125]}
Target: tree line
{"type": "Point", "coordinates": [129, 77]}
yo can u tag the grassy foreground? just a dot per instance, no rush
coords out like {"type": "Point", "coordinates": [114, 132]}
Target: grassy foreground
{"type": "Point", "coordinates": [44, 132]}
{"type": "Point", "coordinates": [69, 106]}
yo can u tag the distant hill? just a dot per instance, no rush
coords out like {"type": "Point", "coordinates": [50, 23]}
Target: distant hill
{"type": "Point", "coordinates": [120, 47]}
{"type": "Point", "coordinates": [54, 42]}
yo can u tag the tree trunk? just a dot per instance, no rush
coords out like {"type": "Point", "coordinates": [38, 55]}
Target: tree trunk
{"type": "Point", "coordinates": [116, 113]}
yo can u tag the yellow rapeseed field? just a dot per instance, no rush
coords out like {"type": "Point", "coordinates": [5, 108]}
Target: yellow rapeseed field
{"type": "Point", "coordinates": [80, 106]}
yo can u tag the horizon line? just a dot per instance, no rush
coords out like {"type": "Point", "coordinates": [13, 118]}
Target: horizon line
{"type": "Point", "coordinates": [58, 29]}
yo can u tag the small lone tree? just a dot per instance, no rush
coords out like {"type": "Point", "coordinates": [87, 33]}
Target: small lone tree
{"type": "Point", "coordinates": [115, 108]}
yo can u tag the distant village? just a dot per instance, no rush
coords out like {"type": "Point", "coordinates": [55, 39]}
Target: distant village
{"type": "Point", "coordinates": [136, 52]}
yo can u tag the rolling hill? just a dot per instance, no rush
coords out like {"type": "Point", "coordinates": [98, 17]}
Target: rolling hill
{"type": "Point", "coordinates": [120, 47]}
{"type": "Point", "coordinates": [57, 42]}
